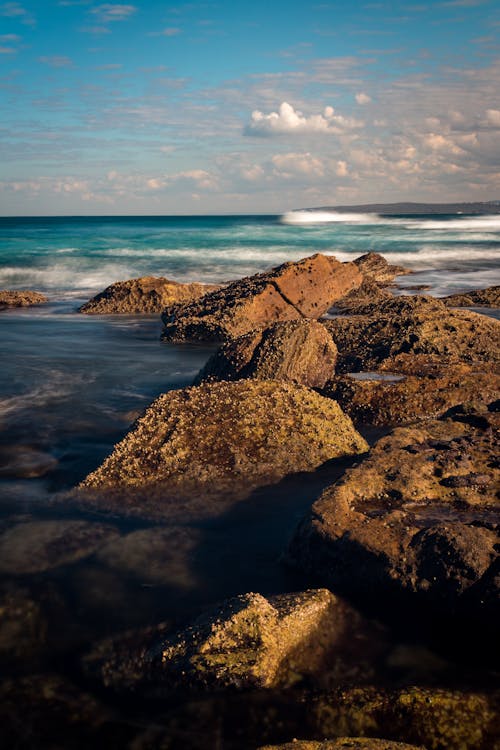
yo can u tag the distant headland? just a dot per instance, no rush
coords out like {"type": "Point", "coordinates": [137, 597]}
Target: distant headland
{"type": "Point", "coordinates": [396, 209]}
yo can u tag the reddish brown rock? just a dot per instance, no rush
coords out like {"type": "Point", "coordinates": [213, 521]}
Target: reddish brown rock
{"type": "Point", "coordinates": [489, 297]}
{"type": "Point", "coordinates": [367, 294]}
{"type": "Point", "coordinates": [412, 325]}
{"type": "Point", "coordinates": [410, 387]}
{"type": "Point", "coordinates": [376, 267]}
{"type": "Point", "coordinates": [305, 289]}
{"type": "Point", "coordinates": [219, 438]}
{"type": "Point", "coordinates": [20, 299]}
{"type": "Point", "coordinates": [301, 351]}
{"type": "Point", "coordinates": [419, 515]}
{"type": "Point", "coordinates": [148, 294]}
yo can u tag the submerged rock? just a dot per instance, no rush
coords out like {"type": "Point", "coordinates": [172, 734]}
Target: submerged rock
{"type": "Point", "coordinates": [412, 386]}
{"type": "Point", "coordinates": [344, 743]}
{"type": "Point", "coordinates": [305, 289]}
{"type": "Point", "coordinates": [23, 626]}
{"type": "Point", "coordinates": [20, 299]}
{"type": "Point", "coordinates": [418, 516]}
{"type": "Point", "coordinates": [412, 325]}
{"type": "Point", "coordinates": [435, 718]}
{"type": "Point", "coordinates": [148, 294]}
{"type": "Point", "coordinates": [25, 461]}
{"type": "Point", "coordinates": [489, 297]}
{"type": "Point", "coordinates": [301, 351]}
{"type": "Point", "coordinates": [246, 642]}
{"type": "Point", "coordinates": [37, 546]}
{"type": "Point", "coordinates": [219, 438]}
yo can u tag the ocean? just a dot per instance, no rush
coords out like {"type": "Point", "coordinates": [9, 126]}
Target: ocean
{"type": "Point", "coordinates": [71, 385]}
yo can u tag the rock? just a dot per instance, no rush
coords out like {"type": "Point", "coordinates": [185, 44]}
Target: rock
{"type": "Point", "coordinates": [367, 294]}
{"type": "Point", "coordinates": [218, 438]}
{"type": "Point", "coordinates": [432, 717]}
{"type": "Point", "coordinates": [305, 289]}
{"type": "Point", "coordinates": [20, 299]}
{"type": "Point", "coordinates": [412, 325]}
{"type": "Point", "coordinates": [23, 627]}
{"type": "Point", "coordinates": [301, 351]}
{"type": "Point", "coordinates": [412, 386]}
{"type": "Point", "coordinates": [344, 743]}
{"type": "Point", "coordinates": [148, 294]}
{"type": "Point", "coordinates": [489, 297]}
{"type": "Point", "coordinates": [375, 267]}
{"type": "Point", "coordinates": [417, 517]}
{"type": "Point", "coordinates": [37, 546]}
{"type": "Point", "coordinates": [246, 642]}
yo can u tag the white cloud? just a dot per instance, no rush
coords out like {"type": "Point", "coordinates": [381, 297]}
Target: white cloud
{"type": "Point", "coordinates": [56, 61]}
{"type": "Point", "coordinates": [291, 121]}
{"type": "Point", "coordinates": [16, 10]}
{"type": "Point", "coordinates": [288, 165]}
{"type": "Point", "coordinates": [493, 117]}
{"type": "Point", "coordinates": [362, 98]}
{"type": "Point", "coordinates": [109, 12]}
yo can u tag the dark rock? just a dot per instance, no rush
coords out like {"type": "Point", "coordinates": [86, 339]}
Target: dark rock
{"type": "Point", "coordinates": [148, 294]}
{"type": "Point", "coordinates": [489, 297]}
{"type": "Point", "coordinates": [219, 438]}
{"type": "Point", "coordinates": [344, 743]}
{"type": "Point", "coordinates": [23, 626]}
{"type": "Point", "coordinates": [301, 351]}
{"type": "Point", "coordinates": [20, 299]}
{"type": "Point", "coordinates": [305, 289]}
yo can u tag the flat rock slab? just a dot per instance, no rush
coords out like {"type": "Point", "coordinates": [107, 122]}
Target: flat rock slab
{"type": "Point", "coordinates": [246, 642]}
{"type": "Point", "coordinates": [300, 351]}
{"type": "Point", "coordinates": [418, 516]}
{"type": "Point", "coordinates": [219, 438]}
{"type": "Point", "coordinates": [344, 743]}
{"type": "Point", "coordinates": [412, 325]}
{"type": "Point", "coordinates": [25, 298]}
{"type": "Point", "coordinates": [148, 294]}
{"type": "Point", "coordinates": [38, 546]}
{"type": "Point", "coordinates": [412, 386]}
{"type": "Point", "coordinates": [489, 297]}
{"type": "Point", "coordinates": [432, 717]}
{"type": "Point", "coordinates": [305, 289]}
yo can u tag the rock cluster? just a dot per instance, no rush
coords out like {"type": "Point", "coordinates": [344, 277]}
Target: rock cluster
{"type": "Point", "coordinates": [306, 289]}
{"type": "Point", "coordinates": [489, 297]}
{"type": "Point", "coordinates": [20, 299]}
{"type": "Point", "coordinates": [148, 294]}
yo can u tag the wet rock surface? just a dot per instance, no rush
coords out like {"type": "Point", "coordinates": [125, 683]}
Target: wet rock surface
{"type": "Point", "coordinates": [216, 438]}
{"type": "Point", "coordinates": [246, 642]}
{"type": "Point", "coordinates": [489, 297]}
{"type": "Point", "coordinates": [305, 289]}
{"type": "Point", "coordinates": [412, 325]}
{"type": "Point", "coordinates": [24, 298]}
{"type": "Point", "coordinates": [300, 351]}
{"type": "Point", "coordinates": [148, 294]}
{"type": "Point", "coordinates": [418, 516]}
{"type": "Point", "coordinates": [409, 387]}
{"type": "Point", "coordinates": [38, 546]}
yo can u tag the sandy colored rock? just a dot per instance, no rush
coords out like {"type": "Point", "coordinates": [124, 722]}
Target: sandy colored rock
{"type": "Point", "coordinates": [416, 325]}
{"type": "Point", "coordinates": [148, 294]}
{"type": "Point", "coordinates": [344, 743]}
{"type": "Point", "coordinates": [305, 289]}
{"type": "Point", "coordinates": [409, 387]}
{"type": "Point", "coordinates": [216, 438]}
{"type": "Point", "coordinates": [25, 298]}
{"type": "Point", "coordinates": [42, 545]}
{"type": "Point", "coordinates": [418, 516]}
{"type": "Point", "coordinates": [301, 351]}
{"type": "Point", "coordinates": [438, 719]}
{"type": "Point", "coordinates": [245, 642]}
{"type": "Point", "coordinates": [489, 297]}
{"type": "Point", "coordinates": [376, 267]}
{"type": "Point", "coordinates": [367, 294]}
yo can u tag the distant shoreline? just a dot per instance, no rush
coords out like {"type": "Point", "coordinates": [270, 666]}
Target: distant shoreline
{"type": "Point", "coordinates": [414, 209]}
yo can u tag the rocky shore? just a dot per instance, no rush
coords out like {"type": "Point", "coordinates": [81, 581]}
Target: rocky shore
{"type": "Point", "coordinates": [321, 367]}
{"type": "Point", "coordinates": [9, 298]}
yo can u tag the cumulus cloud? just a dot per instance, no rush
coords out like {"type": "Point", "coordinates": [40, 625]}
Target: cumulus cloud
{"type": "Point", "coordinates": [291, 121]}
{"type": "Point", "coordinates": [288, 165]}
{"type": "Point", "coordinates": [362, 98]}
{"type": "Point", "coordinates": [109, 12]}
{"type": "Point", "coordinates": [493, 117]}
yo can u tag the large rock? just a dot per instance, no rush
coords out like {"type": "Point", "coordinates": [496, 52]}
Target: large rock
{"type": "Point", "coordinates": [25, 298]}
{"type": "Point", "coordinates": [376, 267]}
{"type": "Point", "coordinates": [344, 743]}
{"type": "Point", "coordinates": [489, 297]}
{"type": "Point", "coordinates": [301, 351]}
{"type": "Point", "coordinates": [245, 642]}
{"type": "Point", "coordinates": [411, 386]}
{"type": "Point", "coordinates": [148, 294]}
{"type": "Point", "coordinates": [219, 438]}
{"type": "Point", "coordinates": [416, 325]}
{"type": "Point", "coordinates": [418, 517]}
{"type": "Point", "coordinates": [305, 289]}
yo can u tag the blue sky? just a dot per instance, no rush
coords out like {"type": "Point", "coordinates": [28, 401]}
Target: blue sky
{"type": "Point", "coordinates": [159, 107]}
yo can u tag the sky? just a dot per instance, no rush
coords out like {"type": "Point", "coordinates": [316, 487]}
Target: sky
{"type": "Point", "coordinates": [243, 107]}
